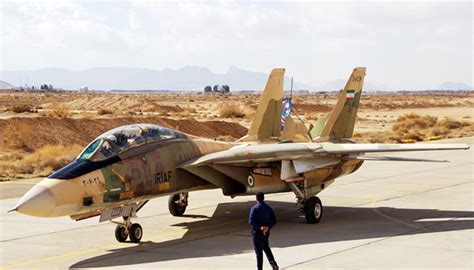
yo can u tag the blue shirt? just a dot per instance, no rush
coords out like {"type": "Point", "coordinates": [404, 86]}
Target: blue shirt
{"type": "Point", "coordinates": [261, 214]}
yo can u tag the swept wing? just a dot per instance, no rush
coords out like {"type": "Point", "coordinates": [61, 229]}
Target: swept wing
{"type": "Point", "coordinates": [255, 153]}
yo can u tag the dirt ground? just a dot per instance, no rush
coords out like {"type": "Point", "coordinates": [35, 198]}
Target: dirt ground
{"type": "Point", "coordinates": [34, 123]}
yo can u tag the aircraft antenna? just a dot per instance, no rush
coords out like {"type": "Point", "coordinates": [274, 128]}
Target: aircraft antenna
{"type": "Point", "coordinates": [291, 88]}
{"type": "Point", "coordinates": [298, 116]}
{"type": "Point", "coordinates": [293, 110]}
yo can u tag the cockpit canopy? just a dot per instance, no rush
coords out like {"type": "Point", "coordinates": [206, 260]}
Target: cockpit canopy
{"type": "Point", "coordinates": [123, 138]}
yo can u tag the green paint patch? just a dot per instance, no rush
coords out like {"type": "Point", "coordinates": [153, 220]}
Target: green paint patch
{"type": "Point", "coordinates": [113, 185]}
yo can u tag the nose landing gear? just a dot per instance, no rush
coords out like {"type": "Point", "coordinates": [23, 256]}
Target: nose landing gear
{"type": "Point", "coordinates": [127, 229]}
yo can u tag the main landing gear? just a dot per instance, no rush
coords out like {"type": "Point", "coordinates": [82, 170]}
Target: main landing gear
{"type": "Point", "coordinates": [313, 210]}
{"type": "Point", "coordinates": [177, 203]}
{"type": "Point", "coordinates": [127, 229]}
{"type": "Point", "coordinates": [310, 205]}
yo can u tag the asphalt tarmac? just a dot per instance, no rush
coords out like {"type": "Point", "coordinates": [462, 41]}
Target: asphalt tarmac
{"type": "Point", "coordinates": [386, 215]}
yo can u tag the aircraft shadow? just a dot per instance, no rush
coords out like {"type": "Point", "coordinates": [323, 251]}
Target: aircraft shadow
{"type": "Point", "coordinates": [227, 231]}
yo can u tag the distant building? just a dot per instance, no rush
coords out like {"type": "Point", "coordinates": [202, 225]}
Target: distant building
{"type": "Point", "coordinates": [217, 89]}
{"type": "Point", "coordinates": [225, 89]}
{"type": "Point", "coordinates": [46, 87]}
{"type": "Point", "coordinates": [84, 89]}
{"type": "Point", "coordinates": [208, 89]}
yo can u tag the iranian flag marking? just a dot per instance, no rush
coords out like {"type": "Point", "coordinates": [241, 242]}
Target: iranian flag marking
{"type": "Point", "coordinates": [350, 95]}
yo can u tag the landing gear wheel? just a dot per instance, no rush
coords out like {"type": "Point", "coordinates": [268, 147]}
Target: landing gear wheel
{"type": "Point", "coordinates": [313, 210]}
{"type": "Point", "coordinates": [136, 233]}
{"type": "Point", "coordinates": [121, 233]}
{"type": "Point", "coordinates": [177, 204]}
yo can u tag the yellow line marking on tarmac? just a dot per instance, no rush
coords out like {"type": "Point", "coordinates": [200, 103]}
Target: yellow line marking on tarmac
{"type": "Point", "coordinates": [120, 245]}
{"type": "Point", "coordinates": [116, 245]}
{"type": "Point", "coordinates": [72, 254]}
{"type": "Point", "coordinates": [81, 252]}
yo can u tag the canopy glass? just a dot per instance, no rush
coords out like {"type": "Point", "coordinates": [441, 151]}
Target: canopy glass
{"type": "Point", "coordinates": [123, 138]}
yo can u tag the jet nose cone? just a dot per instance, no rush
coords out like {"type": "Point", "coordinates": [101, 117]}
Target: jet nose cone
{"type": "Point", "coordinates": [38, 201]}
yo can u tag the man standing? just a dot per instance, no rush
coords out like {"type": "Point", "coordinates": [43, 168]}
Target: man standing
{"type": "Point", "coordinates": [262, 218]}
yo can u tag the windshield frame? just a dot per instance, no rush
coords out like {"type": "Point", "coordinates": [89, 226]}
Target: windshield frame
{"type": "Point", "coordinates": [124, 138]}
{"type": "Point", "coordinates": [80, 156]}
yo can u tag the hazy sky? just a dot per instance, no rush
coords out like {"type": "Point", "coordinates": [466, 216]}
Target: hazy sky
{"type": "Point", "coordinates": [410, 45]}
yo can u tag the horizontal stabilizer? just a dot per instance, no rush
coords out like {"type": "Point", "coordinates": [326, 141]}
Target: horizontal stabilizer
{"type": "Point", "coordinates": [382, 158]}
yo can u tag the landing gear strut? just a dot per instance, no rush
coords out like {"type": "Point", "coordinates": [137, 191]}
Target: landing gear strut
{"type": "Point", "coordinates": [127, 229]}
{"type": "Point", "coordinates": [310, 205]}
{"type": "Point", "coordinates": [177, 203]}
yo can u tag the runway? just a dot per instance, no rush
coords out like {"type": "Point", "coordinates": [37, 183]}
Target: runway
{"type": "Point", "coordinates": [386, 215]}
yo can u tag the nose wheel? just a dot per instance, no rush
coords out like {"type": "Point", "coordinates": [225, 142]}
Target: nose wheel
{"type": "Point", "coordinates": [127, 229]}
{"type": "Point", "coordinates": [136, 233]}
{"type": "Point", "coordinates": [121, 233]}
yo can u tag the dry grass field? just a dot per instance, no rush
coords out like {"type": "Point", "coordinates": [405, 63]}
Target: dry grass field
{"type": "Point", "coordinates": [42, 132]}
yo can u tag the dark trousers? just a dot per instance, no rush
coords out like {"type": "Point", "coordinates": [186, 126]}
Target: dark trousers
{"type": "Point", "coordinates": [260, 243]}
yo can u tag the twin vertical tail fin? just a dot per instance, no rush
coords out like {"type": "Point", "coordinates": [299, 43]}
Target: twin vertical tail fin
{"type": "Point", "coordinates": [340, 123]}
{"type": "Point", "coordinates": [267, 120]}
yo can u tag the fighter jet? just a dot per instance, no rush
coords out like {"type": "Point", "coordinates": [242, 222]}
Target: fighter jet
{"type": "Point", "coordinates": [124, 168]}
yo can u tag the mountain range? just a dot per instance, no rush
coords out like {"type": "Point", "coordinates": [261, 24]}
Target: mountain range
{"type": "Point", "coordinates": [183, 79]}
{"type": "Point", "coordinates": [6, 86]}
{"type": "Point", "coordinates": [127, 78]}
{"type": "Point", "coordinates": [454, 86]}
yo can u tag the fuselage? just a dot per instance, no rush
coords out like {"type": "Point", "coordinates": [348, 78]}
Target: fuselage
{"type": "Point", "coordinates": [107, 173]}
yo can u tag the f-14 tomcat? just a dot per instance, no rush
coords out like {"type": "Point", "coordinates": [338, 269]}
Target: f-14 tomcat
{"type": "Point", "coordinates": [118, 172]}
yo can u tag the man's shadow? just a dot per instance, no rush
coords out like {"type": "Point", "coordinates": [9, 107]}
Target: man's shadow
{"type": "Point", "coordinates": [227, 232]}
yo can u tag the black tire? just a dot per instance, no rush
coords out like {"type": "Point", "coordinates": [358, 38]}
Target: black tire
{"type": "Point", "coordinates": [136, 233]}
{"type": "Point", "coordinates": [313, 210]}
{"type": "Point", "coordinates": [174, 208]}
{"type": "Point", "coordinates": [121, 234]}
